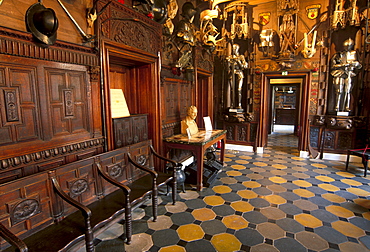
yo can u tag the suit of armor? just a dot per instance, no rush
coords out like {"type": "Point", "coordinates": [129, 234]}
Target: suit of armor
{"type": "Point", "coordinates": [344, 65]}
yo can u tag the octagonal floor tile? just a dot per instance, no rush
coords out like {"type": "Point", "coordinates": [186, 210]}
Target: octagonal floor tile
{"type": "Point", "coordinates": [346, 174]}
{"type": "Point", "coordinates": [251, 184]}
{"type": "Point", "coordinates": [245, 157]}
{"type": "Point", "coordinates": [234, 173]}
{"type": "Point", "coordinates": [319, 165]}
{"type": "Point", "coordinates": [303, 193]}
{"type": "Point", "coordinates": [225, 242]}
{"type": "Point", "coordinates": [333, 198]}
{"type": "Point", "coordinates": [289, 244]}
{"type": "Point", "coordinates": [351, 246]}
{"type": "Point", "coordinates": [340, 211]}
{"type": "Point", "coordinates": [221, 189]}
{"type": "Point", "coordinates": [305, 205]}
{"type": "Point", "coordinates": [363, 202]}
{"type": "Point", "coordinates": [241, 206]}
{"type": "Point", "coordinates": [348, 229]}
{"type": "Point", "coordinates": [166, 237]}
{"type": "Point", "coordinates": [270, 230]}
{"type": "Point", "coordinates": [263, 247]}
{"type": "Point", "coordinates": [324, 178]}
{"type": "Point", "coordinates": [214, 200]}
{"type": "Point", "coordinates": [277, 188]}
{"type": "Point", "coordinates": [249, 237]}
{"type": "Point", "coordinates": [228, 180]}
{"type": "Point", "coordinates": [247, 194]}
{"type": "Point", "coordinates": [302, 183]}
{"type": "Point", "coordinates": [273, 213]}
{"type": "Point", "coordinates": [259, 164]}
{"type": "Point", "coordinates": [308, 220]}
{"type": "Point", "coordinates": [213, 227]}
{"type": "Point", "coordinates": [190, 232]}
{"type": "Point", "coordinates": [163, 222]}
{"type": "Point", "coordinates": [278, 180]}
{"type": "Point", "coordinates": [275, 199]}
{"type": "Point", "coordinates": [358, 192]}
{"type": "Point", "coordinates": [189, 195]}
{"type": "Point", "coordinates": [238, 167]}
{"type": "Point", "coordinates": [139, 242]}
{"type": "Point", "coordinates": [173, 248]}
{"type": "Point", "coordinates": [328, 187]}
{"type": "Point", "coordinates": [177, 208]}
{"type": "Point", "coordinates": [235, 222]}
{"type": "Point", "coordinates": [203, 214]}
{"type": "Point", "coordinates": [312, 241]}
{"type": "Point", "coordinates": [351, 182]}
{"type": "Point", "coordinates": [241, 161]}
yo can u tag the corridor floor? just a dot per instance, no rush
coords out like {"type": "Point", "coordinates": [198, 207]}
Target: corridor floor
{"type": "Point", "coordinates": [275, 201]}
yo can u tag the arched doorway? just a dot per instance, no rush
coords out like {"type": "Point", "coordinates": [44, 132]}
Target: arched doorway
{"type": "Point", "coordinates": [269, 81]}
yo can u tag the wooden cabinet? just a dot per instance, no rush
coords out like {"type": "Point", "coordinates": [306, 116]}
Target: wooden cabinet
{"type": "Point", "coordinates": [285, 116]}
{"type": "Point", "coordinates": [130, 130]}
{"type": "Point", "coordinates": [241, 133]}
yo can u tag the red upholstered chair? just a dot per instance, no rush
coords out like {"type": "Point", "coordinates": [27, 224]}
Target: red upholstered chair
{"type": "Point", "coordinates": [363, 153]}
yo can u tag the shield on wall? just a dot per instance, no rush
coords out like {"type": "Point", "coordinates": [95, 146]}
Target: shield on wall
{"type": "Point", "coordinates": [313, 11]}
{"type": "Point", "coordinates": [264, 18]}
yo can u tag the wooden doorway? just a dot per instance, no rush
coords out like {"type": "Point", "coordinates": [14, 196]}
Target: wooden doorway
{"type": "Point", "coordinates": [266, 105]}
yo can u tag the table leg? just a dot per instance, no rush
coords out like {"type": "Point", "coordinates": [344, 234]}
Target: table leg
{"type": "Point", "coordinates": [199, 153]}
{"type": "Point", "coordinates": [222, 156]}
{"type": "Point", "coordinates": [348, 155]}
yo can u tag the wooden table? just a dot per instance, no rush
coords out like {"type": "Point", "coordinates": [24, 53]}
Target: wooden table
{"type": "Point", "coordinates": [198, 144]}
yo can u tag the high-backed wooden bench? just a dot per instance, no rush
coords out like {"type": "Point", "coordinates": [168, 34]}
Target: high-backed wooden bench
{"type": "Point", "coordinates": [56, 210]}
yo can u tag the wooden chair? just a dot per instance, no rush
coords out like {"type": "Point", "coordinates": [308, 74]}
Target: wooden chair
{"type": "Point", "coordinates": [363, 153]}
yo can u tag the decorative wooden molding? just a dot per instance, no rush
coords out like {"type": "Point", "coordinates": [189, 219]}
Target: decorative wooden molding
{"type": "Point", "coordinates": [18, 43]}
{"type": "Point", "coordinates": [129, 27]}
{"type": "Point", "coordinates": [46, 154]}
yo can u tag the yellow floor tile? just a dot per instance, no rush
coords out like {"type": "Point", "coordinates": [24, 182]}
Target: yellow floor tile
{"type": "Point", "coordinates": [174, 248]}
{"type": "Point", "coordinates": [247, 194]}
{"type": "Point", "coordinates": [241, 161]}
{"type": "Point", "coordinates": [203, 214]}
{"type": "Point", "coordinates": [275, 199]}
{"type": "Point", "coordinates": [225, 242]}
{"type": "Point", "coordinates": [234, 173]}
{"type": "Point", "coordinates": [279, 166]}
{"type": "Point", "coordinates": [345, 174]}
{"type": "Point", "coordinates": [302, 183]}
{"type": "Point", "coordinates": [340, 211]}
{"type": "Point", "coordinates": [358, 192]}
{"type": "Point", "coordinates": [325, 178]}
{"type": "Point", "coordinates": [238, 167]}
{"type": "Point", "coordinates": [278, 180]}
{"type": "Point", "coordinates": [328, 187]}
{"type": "Point", "coordinates": [333, 198]}
{"type": "Point", "coordinates": [221, 189]}
{"type": "Point", "coordinates": [242, 206]}
{"type": "Point", "coordinates": [319, 165]}
{"type": "Point", "coordinates": [259, 164]}
{"type": "Point", "coordinates": [251, 184]}
{"type": "Point", "coordinates": [304, 193]}
{"type": "Point", "coordinates": [235, 222]}
{"type": "Point", "coordinates": [214, 200]}
{"type": "Point", "coordinates": [363, 202]}
{"type": "Point", "coordinates": [348, 229]}
{"type": "Point", "coordinates": [190, 232]}
{"type": "Point", "coordinates": [308, 220]}
{"type": "Point", "coordinates": [245, 157]}
{"type": "Point", "coordinates": [351, 182]}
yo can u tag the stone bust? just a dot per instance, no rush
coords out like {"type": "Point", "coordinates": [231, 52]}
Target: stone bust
{"type": "Point", "coordinates": [189, 121]}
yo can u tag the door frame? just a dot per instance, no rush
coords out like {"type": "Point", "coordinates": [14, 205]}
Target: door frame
{"type": "Point", "coordinates": [262, 136]}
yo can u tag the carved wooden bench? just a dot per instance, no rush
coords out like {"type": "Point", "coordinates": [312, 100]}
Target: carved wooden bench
{"type": "Point", "coordinates": [41, 209]}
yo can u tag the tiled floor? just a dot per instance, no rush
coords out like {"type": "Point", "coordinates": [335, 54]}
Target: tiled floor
{"type": "Point", "coordinates": [275, 201]}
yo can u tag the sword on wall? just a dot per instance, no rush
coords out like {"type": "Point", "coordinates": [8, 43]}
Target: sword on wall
{"type": "Point", "coordinates": [86, 37]}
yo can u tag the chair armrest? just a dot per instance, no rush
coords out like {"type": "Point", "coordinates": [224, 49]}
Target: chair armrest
{"type": "Point", "coordinates": [126, 190]}
{"type": "Point", "coordinates": [163, 158]}
{"type": "Point", "coordinates": [86, 212]}
{"type": "Point", "coordinates": [154, 174]}
{"type": "Point", "coordinates": [7, 235]}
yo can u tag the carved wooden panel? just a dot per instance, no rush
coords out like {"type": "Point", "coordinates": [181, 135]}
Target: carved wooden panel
{"type": "Point", "coordinates": [18, 104]}
{"type": "Point", "coordinates": [26, 204]}
{"type": "Point", "coordinates": [68, 91]}
{"type": "Point", "coordinates": [78, 180]}
{"type": "Point", "coordinates": [130, 130]}
{"type": "Point", "coordinates": [129, 27]}
{"type": "Point", "coordinates": [140, 152]}
{"type": "Point", "coordinates": [114, 163]}
{"type": "Point", "coordinates": [241, 133]}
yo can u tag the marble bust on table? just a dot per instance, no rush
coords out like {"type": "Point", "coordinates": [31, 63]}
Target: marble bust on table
{"type": "Point", "coordinates": [189, 121]}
